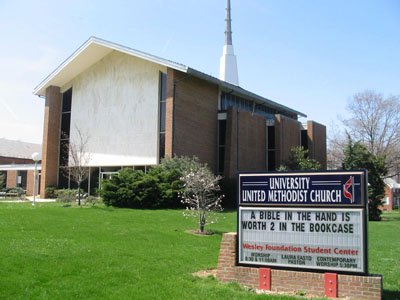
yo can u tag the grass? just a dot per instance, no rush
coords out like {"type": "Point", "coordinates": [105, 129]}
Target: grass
{"type": "Point", "coordinates": [384, 252]}
{"type": "Point", "coordinates": [55, 252]}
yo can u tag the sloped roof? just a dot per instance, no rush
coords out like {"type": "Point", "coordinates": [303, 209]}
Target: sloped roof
{"type": "Point", "coordinates": [95, 49]}
{"type": "Point", "coordinates": [391, 183]}
{"type": "Point", "coordinates": [11, 148]}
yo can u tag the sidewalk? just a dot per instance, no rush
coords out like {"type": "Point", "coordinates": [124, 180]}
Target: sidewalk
{"type": "Point", "coordinates": [27, 199]}
{"type": "Point", "coordinates": [30, 198]}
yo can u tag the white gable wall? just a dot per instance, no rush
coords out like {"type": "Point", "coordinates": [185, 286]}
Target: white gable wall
{"type": "Point", "coordinates": [116, 102]}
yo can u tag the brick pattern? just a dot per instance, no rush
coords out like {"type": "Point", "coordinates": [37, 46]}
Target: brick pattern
{"type": "Point", "coordinates": [252, 143]}
{"type": "Point", "coordinates": [228, 271]}
{"type": "Point", "coordinates": [287, 136]}
{"type": "Point", "coordinates": [15, 160]}
{"type": "Point", "coordinates": [354, 287]}
{"type": "Point", "coordinates": [11, 179]}
{"type": "Point", "coordinates": [195, 120]}
{"type": "Point", "coordinates": [169, 113]}
{"type": "Point", "coordinates": [317, 142]}
{"type": "Point", "coordinates": [360, 287]}
{"type": "Point", "coordinates": [29, 182]}
{"type": "Point", "coordinates": [51, 138]}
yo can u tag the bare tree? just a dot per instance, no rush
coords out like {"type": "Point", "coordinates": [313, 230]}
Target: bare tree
{"type": "Point", "coordinates": [200, 195]}
{"type": "Point", "coordinates": [337, 143]}
{"type": "Point", "coordinates": [79, 158]}
{"type": "Point", "coordinates": [374, 122]}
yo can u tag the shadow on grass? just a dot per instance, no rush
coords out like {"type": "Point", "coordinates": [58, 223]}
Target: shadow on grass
{"type": "Point", "coordinates": [391, 295]}
{"type": "Point", "coordinates": [391, 218]}
{"type": "Point", "coordinates": [218, 232]}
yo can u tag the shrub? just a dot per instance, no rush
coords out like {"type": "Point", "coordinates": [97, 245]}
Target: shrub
{"type": "Point", "coordinates": [92, 200]}
{"type": "Point", "coordinates": [135, 189]}
{"type": "Point", "coordinates": [66, 195]}
{"type": "Point", "coordinates": [50, 192]}
{"type": "Point", "coordinates": [19, 191]}
{"type": "Point", "coordinates": [159, 188]}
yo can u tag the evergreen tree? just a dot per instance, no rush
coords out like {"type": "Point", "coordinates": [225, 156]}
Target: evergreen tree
{"type": "Point", "coordinates": [299, 161]}
{"type": "Point", "coordinates": [357, 156]}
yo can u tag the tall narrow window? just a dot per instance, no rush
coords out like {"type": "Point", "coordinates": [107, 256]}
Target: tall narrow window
{"type": "Point", "coordinates": [304, 139]}
{"type": "Point", "coordinates": [163, 113]}
{"type": "Point", "coordinates": [221, 145]}
{"type": "Point", "coordinates": [63, 181]}
{"type": "Point", "coordinates": [271, 148]}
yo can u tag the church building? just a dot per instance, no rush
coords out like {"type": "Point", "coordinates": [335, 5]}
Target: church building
{"type": "Point", "coordinates": [136, 108]}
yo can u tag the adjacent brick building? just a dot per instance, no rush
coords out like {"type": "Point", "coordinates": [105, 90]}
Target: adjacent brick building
{"type": "Point", "coordinates": [137, 108]}
{"type": "Point", "coordinates": [17, 165]}
{"type": "Point", "coordinates": [392, 195]}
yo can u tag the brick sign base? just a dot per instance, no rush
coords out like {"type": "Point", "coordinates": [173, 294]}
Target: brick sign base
{"type": "Point", "coordinates": [354, 287]}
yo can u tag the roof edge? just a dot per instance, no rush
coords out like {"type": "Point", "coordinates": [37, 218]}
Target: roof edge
{"type": "Point", "coordinates": [242, 91]}
{"type": "Point", "coordinates": [113, 46]}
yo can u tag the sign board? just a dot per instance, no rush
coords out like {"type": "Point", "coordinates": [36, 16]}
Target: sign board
{"type": "Point", "coordinates": [319, 189]}
{"type": "Point", "coordinates": [303, 220]}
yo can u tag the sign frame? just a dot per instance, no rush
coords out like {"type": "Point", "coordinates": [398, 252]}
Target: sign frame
{"type": "Point", "coordinates": [362, 207]}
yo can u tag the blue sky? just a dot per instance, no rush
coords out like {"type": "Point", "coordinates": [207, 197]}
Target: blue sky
{"type": "Point", "coordinates": [309, 55]}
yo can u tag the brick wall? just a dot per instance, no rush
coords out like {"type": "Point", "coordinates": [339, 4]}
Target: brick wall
{"type": "Point", "coordinates": [251, 139]}
{"type": "Point", "coordinates": [287, 136]}
{"type": "Point", "coordinates": [169, 113]}
{"type": "Point", "coordinates": [51, 138]}
{"type": "Point", "coordinates": [14, 160]}
{"type": "Point", "coordinates": [11, 179]}
{"type": "Point", "coordinates": [29, 182]}
{"type": "Point", "coordinates": [317, 142]}
{"type": "Point", "coordinates": [195, 120]}
{"type": "Point", "coordinates": [356, 287]}
{"type": "Point", "coordinates": [389, 194]}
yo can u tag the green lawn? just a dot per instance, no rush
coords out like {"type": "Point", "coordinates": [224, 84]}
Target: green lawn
{"type": "Point", "coordinates": [384, 252]}
{"type": "Point", "coordinates": [55, 252]}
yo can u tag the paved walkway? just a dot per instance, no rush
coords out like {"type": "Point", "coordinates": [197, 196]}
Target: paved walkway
{"type": "Point", "coordinates": [28, 199]}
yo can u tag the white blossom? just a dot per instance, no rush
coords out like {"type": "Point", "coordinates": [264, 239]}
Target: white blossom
{"type": "Point", "coordinates": [201, 196]}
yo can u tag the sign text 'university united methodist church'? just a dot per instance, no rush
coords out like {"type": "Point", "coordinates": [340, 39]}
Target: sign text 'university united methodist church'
{"type": "Point", "coordinates": [314, 220]}
{"type": "Point", "coordinates": [317, 189]}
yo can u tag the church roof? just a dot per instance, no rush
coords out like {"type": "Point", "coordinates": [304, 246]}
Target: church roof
{"type": "Point", "coordinates": [391, 183]}
{"type": "Point", "coordinates": [95, 49]}
{"type": "Point", "coordinates": [17, 149]}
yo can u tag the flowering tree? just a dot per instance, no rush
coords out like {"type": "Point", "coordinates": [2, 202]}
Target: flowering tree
{"type": "Point", "coordinates": [200, 195]}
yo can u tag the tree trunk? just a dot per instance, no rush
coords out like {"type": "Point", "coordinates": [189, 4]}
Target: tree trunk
{"type": "Point", "coordinates": [79, 193]}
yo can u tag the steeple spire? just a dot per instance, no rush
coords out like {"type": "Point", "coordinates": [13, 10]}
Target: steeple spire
{"type": "Point", "coordinates": [228, 31]}
{"type": "Point", "coordinates": [228, 66]}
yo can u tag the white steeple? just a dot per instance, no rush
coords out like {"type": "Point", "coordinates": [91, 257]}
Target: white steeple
{"type": "Point", "coordinates": [228, 66]}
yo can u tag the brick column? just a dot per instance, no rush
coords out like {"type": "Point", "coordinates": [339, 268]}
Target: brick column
{"type": "Point", "coordinates": [227, 258]}
{"type": "Point", "coordinates": [252, 143]}
{"type": "Point", "coordinates": [287, 136]}
{"type": "Point", "coordinates": [317, 142]}
{"type": "Point", "coordinates": [11, 179]}
{"type": "Point", "coordinates": [30, 178]}
{"type": "Point", "coordinates": [169, 117]}
{"type": "Point", "coordinates": [51, 138]}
